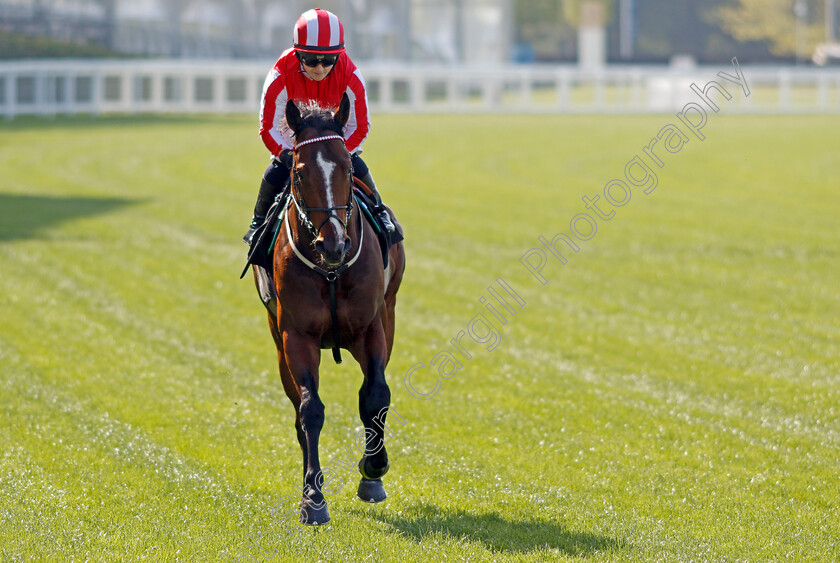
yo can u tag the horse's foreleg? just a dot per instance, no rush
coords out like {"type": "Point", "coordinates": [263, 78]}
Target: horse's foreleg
{"type": "Point", "coordinates": [374, 400]}
{"type": "Point", "coordinates": [292, 391]}
{"type": "Point", "coordinates": [302, 359]}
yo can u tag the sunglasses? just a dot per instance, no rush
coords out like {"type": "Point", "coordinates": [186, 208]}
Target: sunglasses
{"type": "Point", "coordinates": [315, 59]}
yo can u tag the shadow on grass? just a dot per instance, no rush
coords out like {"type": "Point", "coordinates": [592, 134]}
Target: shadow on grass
{"type": "Point", "coordinates": [495, 532]}
{"type": "Point", "coordinates": [24, 216]}
{"type": "Point", "coordinates": [116, 121]}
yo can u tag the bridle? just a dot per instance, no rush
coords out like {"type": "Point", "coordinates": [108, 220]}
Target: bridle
{"type": "Point", "coordinates": [300, 203]}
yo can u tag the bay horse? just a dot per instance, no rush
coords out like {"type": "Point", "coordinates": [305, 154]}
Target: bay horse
{"type": "Point", "coordinates": [332, 291]}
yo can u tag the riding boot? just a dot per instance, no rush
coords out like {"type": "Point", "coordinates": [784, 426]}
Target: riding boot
{"type": "Point", "coordinates": [380, 211]}
{"type": "Point", "coordinates": [268, 193]}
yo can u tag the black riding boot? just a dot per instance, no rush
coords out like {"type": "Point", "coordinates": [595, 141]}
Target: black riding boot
{"type": "Point", "coordinates": [274, 181]}
{"type": "Point", "coordinates": [267, 195]}
{"type": "Point", "coordinates": [379, 210]}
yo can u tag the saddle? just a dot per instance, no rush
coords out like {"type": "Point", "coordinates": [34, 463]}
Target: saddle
{"type": "Point", "coordinates": [262, 248]}
{"type": "Point", "coordinates": [364, 197]}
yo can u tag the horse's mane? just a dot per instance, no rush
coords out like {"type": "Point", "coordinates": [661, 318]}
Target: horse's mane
{"type": "Point", "coordinates": [321, 118]}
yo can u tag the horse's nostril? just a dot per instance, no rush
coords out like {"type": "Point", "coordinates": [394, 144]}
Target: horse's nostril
{"type": "Point", "coordinates": [346, 243]}
{"type": "Point", "coordinates": [319, 246]}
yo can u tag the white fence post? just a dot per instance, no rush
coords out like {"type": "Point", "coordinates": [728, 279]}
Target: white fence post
{"type": "Point", "coordinates": [386, 92]}
{"type": "Point", "coordinates": [784, 91]}
{"type": "Point", "coordinates": [563, 89]}
{"type": "Point", "coordinates": [69, 92]}
{"type": "Point", "coordinates": [11, 93]}
{"type": "Point", "coordinates": [822, 92]}
{"type": "Point", "coordinates": [417, 91]}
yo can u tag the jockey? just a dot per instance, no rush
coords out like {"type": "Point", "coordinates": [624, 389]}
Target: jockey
{"type": "Point", "coordinates": [316, 68]}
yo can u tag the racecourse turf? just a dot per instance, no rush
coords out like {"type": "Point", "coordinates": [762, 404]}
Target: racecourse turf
{"type": "Point", "coordinates": [670, 393]}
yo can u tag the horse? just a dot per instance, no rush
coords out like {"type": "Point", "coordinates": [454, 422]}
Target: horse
{"type": "Point", "coordinates": [331, 291]}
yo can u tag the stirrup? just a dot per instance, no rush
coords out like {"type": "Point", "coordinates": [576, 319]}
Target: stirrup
{"type": "Point", "coordinates": [248, 238]}
{"type": "Point", "coordinates": [385, 219]}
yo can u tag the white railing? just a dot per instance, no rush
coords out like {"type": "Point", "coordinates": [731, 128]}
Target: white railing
{"type": "Point", "coordinates": [52, 87]}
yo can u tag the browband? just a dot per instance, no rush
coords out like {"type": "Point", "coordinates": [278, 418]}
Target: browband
{"type": "Point", "coordinates": [316, 140]}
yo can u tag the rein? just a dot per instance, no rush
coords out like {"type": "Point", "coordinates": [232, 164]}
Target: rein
{"type": "Point", "coordinates": [303, 217]}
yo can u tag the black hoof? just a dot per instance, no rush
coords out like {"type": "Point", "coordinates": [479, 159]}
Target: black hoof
{"type": "Point", "coordinates": [371, 473]}
{"type": "Point", "coordinates": [371, 490]}
{"type": "Point", "coordinates": [313, 514]}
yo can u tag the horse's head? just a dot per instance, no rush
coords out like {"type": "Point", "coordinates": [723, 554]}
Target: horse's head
{"type": "Point", "coordinates": [322, 176]}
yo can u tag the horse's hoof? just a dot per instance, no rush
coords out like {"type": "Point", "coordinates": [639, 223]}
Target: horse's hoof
{"type": "Point", "coordinates": [313, 514]}
{"type": "Point", "coordinates": [369, 472]}
{"type": "Point", "coordinates": [371, 490]}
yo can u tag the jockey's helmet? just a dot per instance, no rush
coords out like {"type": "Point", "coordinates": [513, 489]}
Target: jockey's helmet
{"type": "Point", "coordinates": [319, 31]}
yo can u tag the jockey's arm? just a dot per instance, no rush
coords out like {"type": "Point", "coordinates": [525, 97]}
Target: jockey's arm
{"type": "Point", "coordinates": [358, 126]}
{"type": "Point", "coordinates": [273, 130]}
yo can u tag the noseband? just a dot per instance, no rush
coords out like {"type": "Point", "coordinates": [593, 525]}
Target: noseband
{"type": "Point", "coordinates": [300, 203]}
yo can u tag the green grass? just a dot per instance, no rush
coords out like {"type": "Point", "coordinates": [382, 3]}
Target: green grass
{"type": "Point", "coordinates": [671, 393]}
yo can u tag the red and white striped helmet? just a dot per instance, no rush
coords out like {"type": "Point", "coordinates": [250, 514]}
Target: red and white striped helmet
{"type": "Point", "coordinates": [319, 31]}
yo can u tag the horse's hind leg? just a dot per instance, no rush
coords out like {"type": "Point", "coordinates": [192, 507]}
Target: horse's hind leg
{"type": "Point", "coordinates": [397, 257]}
{"type": "Point", "coordinates": [374, 400]}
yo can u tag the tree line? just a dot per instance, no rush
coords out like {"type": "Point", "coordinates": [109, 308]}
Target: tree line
{"type": "Point", "coordinates": [709, 30]}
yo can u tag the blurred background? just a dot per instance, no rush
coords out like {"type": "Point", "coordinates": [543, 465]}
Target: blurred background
{"type": "Point", "coordinates": [436, 55]}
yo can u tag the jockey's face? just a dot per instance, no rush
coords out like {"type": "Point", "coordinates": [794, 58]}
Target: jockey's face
{"type": "Point", "coordinates": [317, 66]}
{"type": "Point", "coordinates": [317, 73]}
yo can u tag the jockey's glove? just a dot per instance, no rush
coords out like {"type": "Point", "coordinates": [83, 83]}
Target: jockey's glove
{"type": "Point", "coordinates": [286, 157]}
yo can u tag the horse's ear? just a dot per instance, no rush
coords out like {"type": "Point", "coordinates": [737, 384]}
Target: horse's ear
{"type": "Point", "coordinates": [292, 116]}
{"type": "Point", "coordinates": [342, 116]}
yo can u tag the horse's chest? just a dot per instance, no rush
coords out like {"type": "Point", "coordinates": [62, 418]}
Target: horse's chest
{"type": "Point", "coordinates": [309, 312]}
